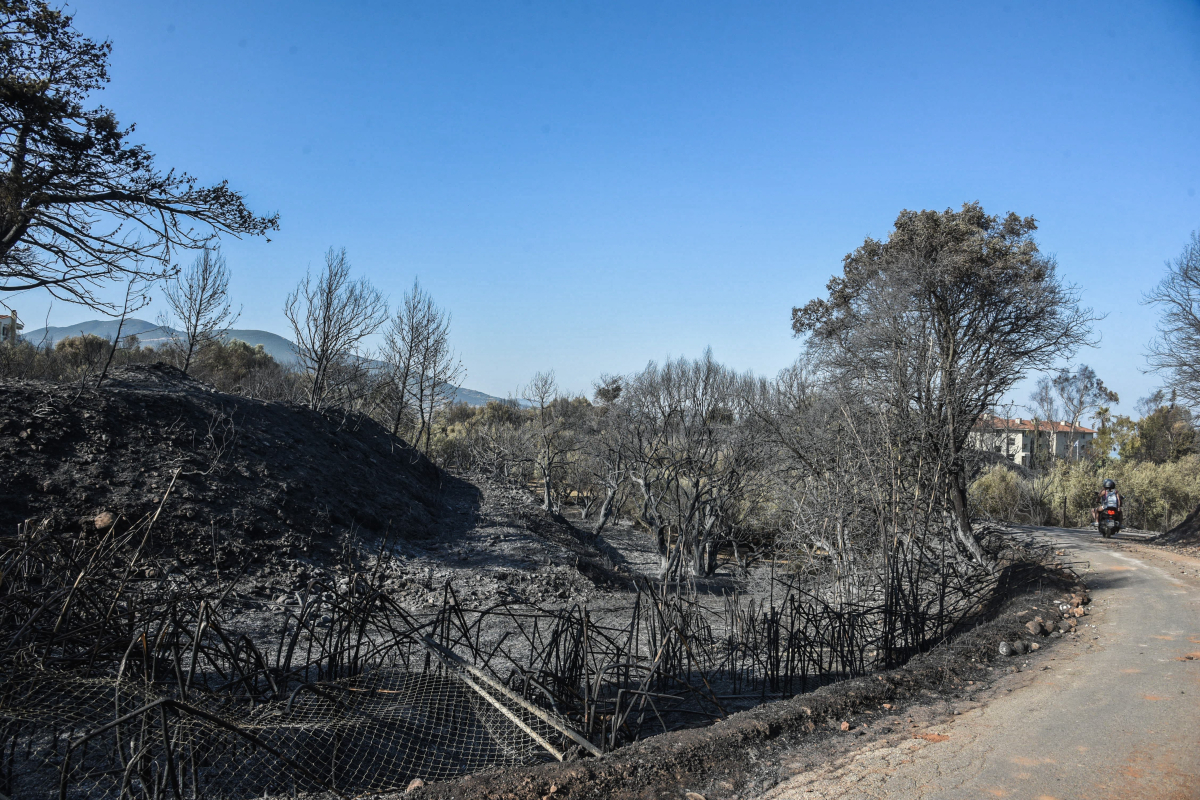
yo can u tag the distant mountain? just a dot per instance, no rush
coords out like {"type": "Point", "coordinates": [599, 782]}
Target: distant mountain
{"type": "Point", "coordinates": [279, 348]}
{"type": "Point", "coordinates": [104, 328]}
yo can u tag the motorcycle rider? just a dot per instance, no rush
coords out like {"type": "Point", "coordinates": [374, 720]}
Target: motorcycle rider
{"type": "Point", "coordinates": [1108, 497]}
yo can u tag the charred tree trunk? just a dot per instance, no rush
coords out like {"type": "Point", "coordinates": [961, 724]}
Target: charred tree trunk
{"type": "Point", "coordinates": [606, 508]}
{"type": "Point", "coordinates": [962, 520]}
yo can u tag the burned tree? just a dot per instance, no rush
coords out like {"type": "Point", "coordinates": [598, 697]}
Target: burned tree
{"type": "Point", "coordinates": [552, 437]}
{"type": "Point", "coordinates": [199, 299]}
{"type": "Point", "coordinates": [330, 318]}
{"type": "Point", "coordinates": [421, 367]}
{"type": "Point", "coordinates": [691, 454]}
{"type": "Point", "coordinates": [1175, 354]}
{"type": "Point", "coordinates": [936, 322]}
{"type": "Point", "coordinates": [80, 205]}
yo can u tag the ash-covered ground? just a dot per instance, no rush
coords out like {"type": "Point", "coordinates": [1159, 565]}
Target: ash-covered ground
{"type": "Point", "coordinates": [270, 496]}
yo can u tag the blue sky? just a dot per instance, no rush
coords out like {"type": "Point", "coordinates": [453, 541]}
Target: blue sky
{"type": "Point", "coordinates": [587, 186]}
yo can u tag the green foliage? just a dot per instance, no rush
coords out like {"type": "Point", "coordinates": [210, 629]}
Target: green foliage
{"type": "Point", "coordinates": [1157, 495]}
{"type": "Point", "coordinates": [227, 364]}
{"type": "Point", "coordinates": [70, 359]}
{"type": "Point", "coordinates": [232, 366]}
{"type": "Point", "coordinates": [1165, 434]}
{"type": "Point", "coordinates": [996, 494]}
{"type": "Point", "coordinates": [492, 438]}
{"type": "Point", "coordinates": [81, 352]}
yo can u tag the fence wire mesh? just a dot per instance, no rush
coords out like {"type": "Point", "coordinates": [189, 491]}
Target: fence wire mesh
{"type": "Point", "coordinates": [119, 686]}
{"type": "Point", "coordinates": [88, 737]}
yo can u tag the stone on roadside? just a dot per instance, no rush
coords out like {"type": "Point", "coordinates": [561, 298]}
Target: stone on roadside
{"type": "Point", "coordinates": [845, 726]}
{"type": "Point", "coordinates": [1006, 649]}
{"type": "Point", "coordinates": [104, 520]}
{"type": "Point", "coordinates": [414, 784]}
{"type": "Point", "coordinates": [1039, 627]}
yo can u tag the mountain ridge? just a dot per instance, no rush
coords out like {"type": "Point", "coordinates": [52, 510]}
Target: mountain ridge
{"type": "Point", "coordinates": [148, 333]}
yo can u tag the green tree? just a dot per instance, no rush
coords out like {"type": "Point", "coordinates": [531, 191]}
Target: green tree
{"type": "Point", "coordinates": [1080, 392]}
{"type": "Point", "coordinates": [1165, 432]}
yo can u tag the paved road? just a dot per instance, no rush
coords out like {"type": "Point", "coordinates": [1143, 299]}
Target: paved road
{"type": "Point", "coordinates": [1114, 714]}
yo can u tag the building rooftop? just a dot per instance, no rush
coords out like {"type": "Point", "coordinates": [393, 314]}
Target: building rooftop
{"type": "Point", "coordinates": [990, 423]}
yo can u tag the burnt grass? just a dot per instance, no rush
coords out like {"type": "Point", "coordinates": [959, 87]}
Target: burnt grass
{"type": "Point", "coordinates": [739, 757]}
{"type": "Point", "coordinates": [279, 494]}
{"type": "Point", "coordinates": [272, 480]}
{"type": "Point", "coordinates": [275, 493]}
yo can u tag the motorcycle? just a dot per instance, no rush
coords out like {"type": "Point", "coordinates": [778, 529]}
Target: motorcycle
{"type": "Point", "coordinates": [1109, 522]}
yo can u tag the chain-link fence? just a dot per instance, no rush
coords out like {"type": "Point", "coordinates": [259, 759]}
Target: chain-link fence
{"type": "Point", "coordinates": [92, 738]}
{"type": "Point", "coordinates": [117, 681]}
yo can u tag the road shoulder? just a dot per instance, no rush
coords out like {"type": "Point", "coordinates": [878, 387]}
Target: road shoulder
{"type": "Point", "coordinates": [1111, 712]}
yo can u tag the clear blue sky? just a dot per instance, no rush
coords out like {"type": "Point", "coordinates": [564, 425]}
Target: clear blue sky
{"type": "Point", "coordinates": [587, 186]}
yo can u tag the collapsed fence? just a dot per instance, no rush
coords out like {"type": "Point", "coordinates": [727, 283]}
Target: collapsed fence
{"type": "Point", "coordinates": [122, 682]}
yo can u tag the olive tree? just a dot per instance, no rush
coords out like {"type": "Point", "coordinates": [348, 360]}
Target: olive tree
{"type": "Point", "coordinates": [693, 456]}
{"type": "Point", "coordinates": [937, 321]}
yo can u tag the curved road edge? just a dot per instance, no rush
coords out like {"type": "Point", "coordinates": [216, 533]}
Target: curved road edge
{"type": "Point", "coordinates": [1112, 713]}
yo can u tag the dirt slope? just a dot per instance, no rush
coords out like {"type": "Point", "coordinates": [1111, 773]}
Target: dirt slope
{"type": "Point", "coordinates": [1185, 533]}
{"type": "Point", "coordinates": [270, 480]}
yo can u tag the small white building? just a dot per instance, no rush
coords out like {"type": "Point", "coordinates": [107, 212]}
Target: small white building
{"type": "Point", "coordinates": [10, 327]}
{"type": "Point", "coordinates": [1014, 438]}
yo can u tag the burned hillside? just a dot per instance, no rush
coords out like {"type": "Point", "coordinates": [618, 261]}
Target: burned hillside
{"type": "Point", "coordinates": [262, 479]}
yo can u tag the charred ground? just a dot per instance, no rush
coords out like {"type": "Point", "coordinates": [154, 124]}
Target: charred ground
{"type": "Point", "coordinates": [275, 523]}
{"type": "Point", "coordinates": [276, 491]}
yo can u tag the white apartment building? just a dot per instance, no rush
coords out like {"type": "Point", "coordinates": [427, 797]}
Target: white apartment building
{"type": "Point", "coordinates": [1014, 438]}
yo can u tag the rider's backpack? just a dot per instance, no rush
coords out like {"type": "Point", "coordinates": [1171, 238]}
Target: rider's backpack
{"type": "Point", "coordinates": [1111, 500]}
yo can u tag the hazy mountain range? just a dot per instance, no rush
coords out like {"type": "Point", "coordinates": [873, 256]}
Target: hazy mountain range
{"type": "Point", "coordinates": [280, 349]}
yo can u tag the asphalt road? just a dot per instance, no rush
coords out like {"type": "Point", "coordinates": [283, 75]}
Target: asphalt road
{"type": "Point", "coordinates": [1115, 713]}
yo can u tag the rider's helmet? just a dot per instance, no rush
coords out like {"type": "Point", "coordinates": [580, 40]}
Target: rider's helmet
{"type": "Point", "coordinates": [1109, 483]}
